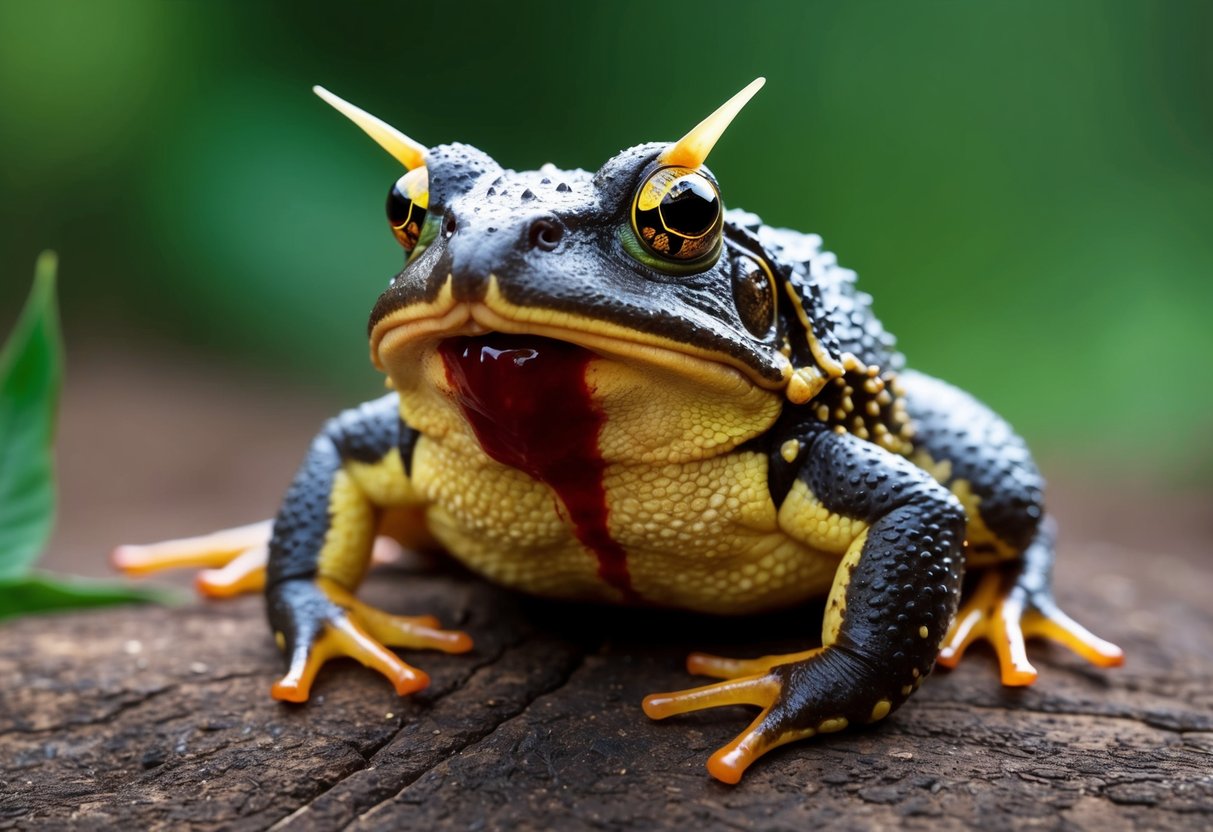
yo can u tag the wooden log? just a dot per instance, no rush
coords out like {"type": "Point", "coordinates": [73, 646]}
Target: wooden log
{"type": "Point", "coordinates": [149, 718]}
{"type": "Point", "coordinates": [155, 718]}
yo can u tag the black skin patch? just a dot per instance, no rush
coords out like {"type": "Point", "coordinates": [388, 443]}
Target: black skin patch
{"type": "Point", "coordinates": [908, 577]}
{"type": "Point", "coordinates": [368, 432]}
{"type": "Point", "coordinates": [364, 434]}
{"type": "Point", "coordinates": [951, 425]}
{"type": "Point", "coordinates": [299, 610]}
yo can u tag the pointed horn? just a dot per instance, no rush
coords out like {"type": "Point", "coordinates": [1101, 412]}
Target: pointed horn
{"type": "Point", "coordinates": [692, 149]}
{"type": "Point", "coordinates": [406, 151]}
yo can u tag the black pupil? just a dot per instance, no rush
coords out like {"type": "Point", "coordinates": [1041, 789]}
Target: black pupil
{"type": "Point", "coordinates": [689, 207]}
{"type": "Point", "coordinates": [398, 206]}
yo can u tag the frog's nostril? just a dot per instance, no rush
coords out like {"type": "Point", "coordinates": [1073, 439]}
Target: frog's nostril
{"type": "Point", "coordinates": [545, 235]}
{"type": "Point", "coordinates": [449, 226]}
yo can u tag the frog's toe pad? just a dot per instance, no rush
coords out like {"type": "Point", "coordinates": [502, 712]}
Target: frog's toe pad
{"type": "Point", "coordinates": [1006, 618]}
{"type": "Point", "coordinates": [343, 626]}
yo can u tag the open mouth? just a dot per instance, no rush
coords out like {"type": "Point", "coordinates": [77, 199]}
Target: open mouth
{"type": "Point", "coordinates": [530, 405]}
{"type": "Point", "coordinates": [526, 396]}
{"type": "Point", "coordinates": [396, 337]}
{"type": "Point", "coordinates": [515, 381]}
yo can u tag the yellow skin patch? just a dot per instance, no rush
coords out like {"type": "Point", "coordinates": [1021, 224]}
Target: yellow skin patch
{"type": "Point", "coordinates": [790, 450]}
{"type": "Point", "coordinates": [836, 604]}
{"type": "Point", "coordinates": [804, 518]}
{"type": "Point", "coordinates": [384, 482]}
{"type": "Point", "coordinates": [359, 491]}
{"type": "Point", "coordinates": [695, 518]}
{"type": "Point", "coordinates": [700, 534]}
{"type": "Point", "coordinates": [977, 533]}
{"type": "Point", "coordinates": [346, 552]}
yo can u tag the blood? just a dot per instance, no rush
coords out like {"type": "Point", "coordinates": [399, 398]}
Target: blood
{"type": "Point", "coordinates": [529, 404]}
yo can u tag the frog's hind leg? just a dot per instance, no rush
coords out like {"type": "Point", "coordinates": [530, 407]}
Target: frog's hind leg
{"type": "Point", "coordinates": [977, 455]}
{"type": "Point", "coordinates": [233, 561]}
{"type": "Point", "coordinates": [1014, 602]}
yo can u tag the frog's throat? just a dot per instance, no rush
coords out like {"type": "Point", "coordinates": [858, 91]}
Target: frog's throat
{"type": "Point", "coordinates": [445, 316]}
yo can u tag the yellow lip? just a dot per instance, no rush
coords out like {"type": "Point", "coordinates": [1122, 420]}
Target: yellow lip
{"type": "Point", "coordinates": [445, 317]}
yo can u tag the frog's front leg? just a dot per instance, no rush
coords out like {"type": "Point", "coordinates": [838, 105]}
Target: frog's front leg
{"type": "Point", "coordinates": [321, 547]}
{"type": "Point", "coordinates": [900, 536]}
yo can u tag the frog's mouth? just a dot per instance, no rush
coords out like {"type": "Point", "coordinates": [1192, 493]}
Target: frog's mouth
{"type": "Point", "coordinates": [398, 339]}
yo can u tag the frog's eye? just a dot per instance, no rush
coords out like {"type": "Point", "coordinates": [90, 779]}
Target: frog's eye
{"type": "Point", "coordinates": [676, 214]}
{"type": "Point", "coordinates": [754, 294]}
{"type": "Point", "coordinates": [407, 202]}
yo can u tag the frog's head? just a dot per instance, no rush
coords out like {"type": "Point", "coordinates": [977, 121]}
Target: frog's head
{"type": "Point", "coordinates": [637, 263]}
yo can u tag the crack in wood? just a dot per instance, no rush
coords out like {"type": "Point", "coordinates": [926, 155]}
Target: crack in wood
{"type": "Point", "coordinates": [300, 818]}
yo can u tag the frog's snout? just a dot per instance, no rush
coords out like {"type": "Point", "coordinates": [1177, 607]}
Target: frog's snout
{"type": "Point", "coordinates": [477, 247]}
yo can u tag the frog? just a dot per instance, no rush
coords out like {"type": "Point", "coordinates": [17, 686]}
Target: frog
{"type": "Point", "coordinates": [607, 387]}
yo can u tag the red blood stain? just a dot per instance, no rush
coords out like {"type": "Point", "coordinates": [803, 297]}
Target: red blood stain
{"type": "Point", "coordinates": [529, 404]}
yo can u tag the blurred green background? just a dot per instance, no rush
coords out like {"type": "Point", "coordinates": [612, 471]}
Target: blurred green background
{"type": "Point", "coordinates": [1026, 187]}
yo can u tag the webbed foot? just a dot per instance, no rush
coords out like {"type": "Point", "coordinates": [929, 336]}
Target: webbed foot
{"type": "Point", "coordinates": [319, 620]}
{"type": "Point", "coordinates": [1006, 613]}
{"type": "Point", "coordinates": [800, 695]}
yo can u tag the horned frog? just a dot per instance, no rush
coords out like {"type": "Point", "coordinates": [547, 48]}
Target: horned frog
{"type": "Point", "coordinates": [606, 387]}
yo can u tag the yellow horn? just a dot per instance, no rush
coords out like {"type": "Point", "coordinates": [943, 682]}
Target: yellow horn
{"type": "Point", "coordinates": [692, 149]}
{"type": "Point", "coordinates": [406, 151]}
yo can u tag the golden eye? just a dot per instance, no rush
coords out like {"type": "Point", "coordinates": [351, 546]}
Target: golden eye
{"type": "Point", "coordinates": [407, 202]}
{"type": "Point", "coordinates": [676, 213]}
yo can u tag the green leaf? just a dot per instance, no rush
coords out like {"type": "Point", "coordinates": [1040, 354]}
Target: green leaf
{"type": "Point", "coordinates": [31, 371]}
{"type": "Point", "coordinates": [40, 592]}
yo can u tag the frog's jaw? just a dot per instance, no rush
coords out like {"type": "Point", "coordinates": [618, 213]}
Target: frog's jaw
{"type": "Point", "coordinates": [659, 404]}
{"type": "Point", "coordinates": [395, 339]}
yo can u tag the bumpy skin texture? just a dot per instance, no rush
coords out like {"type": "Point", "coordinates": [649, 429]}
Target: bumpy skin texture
{"type": "Point", "coordinates": [363, 434]}
{"type": "Point", "coordinates": [297, 609]}
{"type": "Point", "coordinates": [900, 594]}
{"type": "Point", "coordinates": [981, 449]}
{"type": "Point", "coordinates": [741, 462]}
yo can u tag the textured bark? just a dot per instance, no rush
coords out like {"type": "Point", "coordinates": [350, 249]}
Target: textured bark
{"type": "Point", "coordinates": [154, 718]}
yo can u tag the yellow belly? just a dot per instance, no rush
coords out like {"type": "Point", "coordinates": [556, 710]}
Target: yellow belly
{"type": "Point", "coordinates": [699, 535]}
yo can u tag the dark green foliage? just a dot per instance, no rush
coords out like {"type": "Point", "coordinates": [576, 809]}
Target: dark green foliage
{"type": "Point", "coordinates": [31, 373]}
{"type": "Point", "coordinates": [1023, 185]}
{"type": "Point", "coordinates": [31, 370]}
